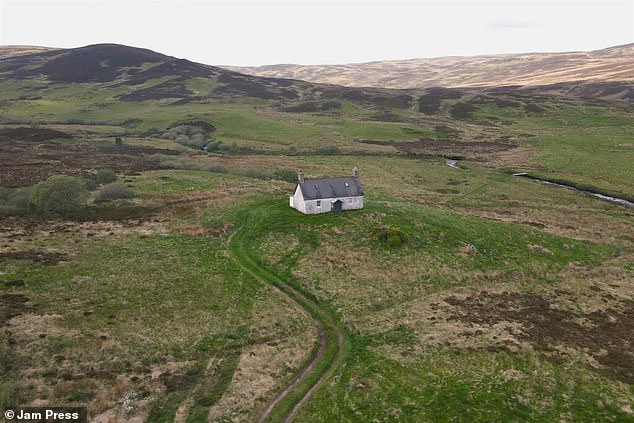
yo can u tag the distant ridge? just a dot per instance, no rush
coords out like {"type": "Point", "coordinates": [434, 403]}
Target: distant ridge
{"type": "Point", "coordinates": [530, 69]}
{"type": "Point", "coordinates": [149, 76]}
{"type": "Point", "coordinates": [12, 51]}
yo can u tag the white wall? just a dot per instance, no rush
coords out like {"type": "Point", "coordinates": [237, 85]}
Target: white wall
{"type": "Point", "coordinates": [298, 200]}
{"type": "Point", "coordinates": [310, 206]}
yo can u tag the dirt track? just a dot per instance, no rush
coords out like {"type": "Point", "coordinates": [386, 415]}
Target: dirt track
{"type": "Point", "coordinates": [331, 336]}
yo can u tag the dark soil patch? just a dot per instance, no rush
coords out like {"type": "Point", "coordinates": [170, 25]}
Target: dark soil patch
{"type": "Point", "coordinates": [533, 108]}
{"type": "Point", "coordinates": [23, 163]}
{"type": "Point", "coordinates": [462, 110]}
{"type": "Point", "coordinates": [95, 63]}
{"type": "Point", "coordinates": [178, 67]}
{"type": "Point", "coordinates": [174, 88]}
{"type": "Point", "coordinates": [205, 126]}
{"type": "Point", "coordinates": [430, 102]}
{"type": "Point", "coordinates": [42, 257]}
{"type": "Point", "coordinates": [501, 102]}
{"type": "Point", "coordinates": [383, 99]}
{"type": "Point", "coordinates": [30, 134]}
{"type": "Point", "coordinates": [607, 335]}
{"type": "Point", "coordinates": [16, 283]}
{"type": "Point", "coordinates": [251, 86]}
{"type": "Point", "coordinates": [622, 90]}
{"type": "Point", "coordinates": [12, 305]}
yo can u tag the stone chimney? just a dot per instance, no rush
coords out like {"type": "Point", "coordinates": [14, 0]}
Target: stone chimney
{"type": "Point", "coordinates": [355, 173]}
{"type": "Point", "coordinates": [300, 177]}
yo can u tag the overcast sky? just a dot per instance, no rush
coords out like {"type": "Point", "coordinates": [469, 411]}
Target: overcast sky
{"type": "Point", "coordinates": [313, 32]}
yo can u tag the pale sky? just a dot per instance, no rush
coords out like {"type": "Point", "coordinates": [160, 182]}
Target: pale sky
{"type": "Point", "coordinates": [320, 32]}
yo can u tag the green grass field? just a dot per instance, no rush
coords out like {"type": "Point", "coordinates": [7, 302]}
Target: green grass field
{"type": "Point", "coordinates": [503, 299]}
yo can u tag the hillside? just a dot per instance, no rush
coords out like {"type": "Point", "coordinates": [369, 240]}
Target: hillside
{"type": "Point", "coordinates": [135, 89]}
{"type": "Point", "coordinates": [153, 76]}
{"type": "Point", "coordinates": [610, 64]}
{"type": "Point", "coordinates": [151, 269]}
{"type": "Point", "coordinates": [12, 51]}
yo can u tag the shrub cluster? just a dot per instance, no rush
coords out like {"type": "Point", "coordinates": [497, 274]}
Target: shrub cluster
{"type": "Point", "coordinates": [190, 136]}
{"type": "Point", "coordinates": [58, 194]}
{"type": "Point", "coordinates": [106, 176]}
{"type": "Point", "coordinates": [393, 237]}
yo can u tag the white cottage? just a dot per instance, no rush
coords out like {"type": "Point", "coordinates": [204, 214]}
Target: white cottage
{"type": "Point", "coordinates": [314, 196]}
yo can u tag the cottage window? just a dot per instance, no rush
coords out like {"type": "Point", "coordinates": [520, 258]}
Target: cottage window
{"type": "Point", "coordinates": [349, 200]}
{"type": "Point", "coordinates": [318, 203]}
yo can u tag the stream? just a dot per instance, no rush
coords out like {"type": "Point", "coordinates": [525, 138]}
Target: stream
{"type": "Point", "coordinates": [617, 200]}
{"type": "Point", "coordinates": [622, 201]}
{"type": "Point", "coordinates": [453, 163]}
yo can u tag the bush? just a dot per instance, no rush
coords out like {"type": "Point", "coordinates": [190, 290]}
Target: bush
{"type": "Point", "coordinates": [90, 184]}
{"type": "Point", "coordinates": [58, 194]}
{"type": "Point", "coordinates": [214, 146]}
{"type": "Point", "coordinates": [113, 191]}
{"type": "Point", "coordinates": [393, 237]}
{"type": "Point", "coordinates": [189, 135]}
{"type": "Point", "coordinates": [106, 176]}
{"type": "Point", "coordinates": [118, 141]}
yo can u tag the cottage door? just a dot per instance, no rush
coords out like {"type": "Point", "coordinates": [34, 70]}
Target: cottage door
{"type": "Point", "coordinates": [337, 206]}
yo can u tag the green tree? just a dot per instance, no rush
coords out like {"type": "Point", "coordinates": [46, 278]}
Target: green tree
{"type": "Point", "coordinates": [106, 176]}
{"type": "Point", "coordinates": [58, 194]}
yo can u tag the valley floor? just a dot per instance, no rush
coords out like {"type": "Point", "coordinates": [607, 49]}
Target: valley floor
{"type": "Point", "coordinates": [506, 299]}
{"type": "Point", "coordinates": [189, 291]}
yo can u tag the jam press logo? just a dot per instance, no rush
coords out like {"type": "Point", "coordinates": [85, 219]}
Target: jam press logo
{"type": "Point", "coordinates": [46, 414]}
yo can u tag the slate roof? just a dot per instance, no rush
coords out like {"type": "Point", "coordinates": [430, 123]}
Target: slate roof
{"type": "Point", "coordinates": [318, 189]}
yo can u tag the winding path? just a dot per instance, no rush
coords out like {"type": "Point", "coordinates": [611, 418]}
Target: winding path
{"type": "Point", "coordinates": [324, 360]}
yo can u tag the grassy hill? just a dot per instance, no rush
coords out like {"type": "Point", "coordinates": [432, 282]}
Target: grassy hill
{"type": "Point", "coordinates": [11, 51]}
{"type": "Point", "coordinates": [187, 290]}
{"type": "Point", "coordinates": [610, 64]}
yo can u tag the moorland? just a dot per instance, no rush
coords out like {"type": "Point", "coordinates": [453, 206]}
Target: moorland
{"type": "Point", "coordinates": [183, 288]}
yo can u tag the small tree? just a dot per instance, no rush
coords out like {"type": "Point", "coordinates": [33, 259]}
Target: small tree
{"type": "Point", "coordinates": [118, 141]}
{"type": "Point", "coordinates": [106, 176]}
{"type": "Point", "coordinates": [58, 194]}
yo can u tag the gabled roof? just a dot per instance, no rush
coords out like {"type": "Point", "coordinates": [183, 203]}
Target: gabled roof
{"type": "Point", "coordinates": [317, 189]}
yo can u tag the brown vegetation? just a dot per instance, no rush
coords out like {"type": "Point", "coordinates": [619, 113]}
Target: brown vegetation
{"type": "Point", "coordinates": [612, 64]}
{"type": "Point", "coordinates": [605, 334]}
{"type": "Point", "coordinates": [31, 155]}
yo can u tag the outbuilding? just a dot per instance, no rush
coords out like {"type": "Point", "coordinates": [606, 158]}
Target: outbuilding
{"type": "Point", "coordinates": [314, 196]}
